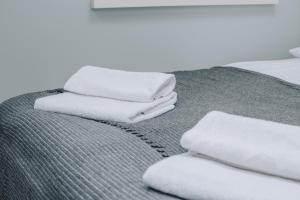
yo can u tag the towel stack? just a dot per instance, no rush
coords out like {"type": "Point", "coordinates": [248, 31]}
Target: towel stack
{"type": "Point", "coordinates": [106, 94]}
{"type": "Point", "coordinates": [232, 158]}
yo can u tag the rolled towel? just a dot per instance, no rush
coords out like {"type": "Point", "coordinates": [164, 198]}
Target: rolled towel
{"type": "Point", "coordinates": [196, 178]}
{"type": "Point", "coordinates": [253, 144]}
{"type": "Point", "coordinates": [99, 108]}
{"type": "Point", "coordinates": [121, 85]}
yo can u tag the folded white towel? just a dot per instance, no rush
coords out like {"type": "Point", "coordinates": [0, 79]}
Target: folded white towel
{"type": "Point", "coordinates": [105, 109]}
{"type": "Point", "coordinates": [295, 52]}
{"type": "Point", "coordinates": [197, 179]}
{"type": "Point", "coordinates": [254, 144]}
{"type": "Point", "coordinates": [121, 85]}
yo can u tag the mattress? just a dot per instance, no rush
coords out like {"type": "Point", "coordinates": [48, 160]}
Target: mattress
{"type": "Point", "coordinates": [54, 156]}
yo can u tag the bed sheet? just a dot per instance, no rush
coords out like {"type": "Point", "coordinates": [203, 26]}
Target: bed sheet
{"type": "Point", "coordinates": [287, 69]}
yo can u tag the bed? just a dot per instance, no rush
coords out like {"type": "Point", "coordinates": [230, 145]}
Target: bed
{"type": "Point", "coordinates": [55, 156]}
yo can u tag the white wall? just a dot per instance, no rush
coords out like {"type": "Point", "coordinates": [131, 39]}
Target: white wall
{"type": "Point", "coordinates": [43, 42]}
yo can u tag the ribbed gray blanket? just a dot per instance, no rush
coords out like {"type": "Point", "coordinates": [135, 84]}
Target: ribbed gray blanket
{"type": "Point", "coordinates": [54, 156]}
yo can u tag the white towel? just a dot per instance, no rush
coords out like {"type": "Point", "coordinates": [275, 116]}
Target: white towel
{"type": "Point", "coordinates": [198, 179]}
{"type": "Point", "coordinates": [295, 52]}
{"type": "Point", "coordinates": [105, 109]}
{"type": "Point", "coordinates": [121, 85]}
{"type": "Point", "coordinates": [254, 144]}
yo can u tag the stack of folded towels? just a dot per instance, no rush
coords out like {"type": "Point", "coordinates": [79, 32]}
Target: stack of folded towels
{"type": "Point", "coordinates": [233, 158]}
{"type": "Point", "coordinates": [106, 94]}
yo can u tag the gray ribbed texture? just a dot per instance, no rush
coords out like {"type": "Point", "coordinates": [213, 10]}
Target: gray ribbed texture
{"type": "Point", "coordinates": [54, 156]}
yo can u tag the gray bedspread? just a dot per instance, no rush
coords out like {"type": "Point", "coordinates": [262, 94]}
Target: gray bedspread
{"type": "Point", "coordinates": [54, 156]}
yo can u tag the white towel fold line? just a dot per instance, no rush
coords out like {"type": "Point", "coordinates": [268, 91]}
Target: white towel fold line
{"type": "Point", "coordinates": [253, 144]}
{"type": "Point", "coordinates": [196, 178]}
{"type": "Point", "coordinates": [121, 85]}
{"type": "Point", "coordinates": [105, 109]}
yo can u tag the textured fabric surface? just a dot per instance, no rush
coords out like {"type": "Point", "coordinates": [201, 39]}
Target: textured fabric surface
{"type": "Point", "coordinates": [54, 156]}
{"type": "Point", "coordinates": [286, 69]}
